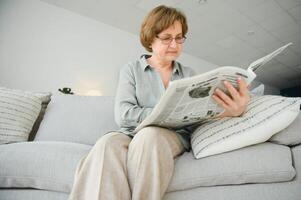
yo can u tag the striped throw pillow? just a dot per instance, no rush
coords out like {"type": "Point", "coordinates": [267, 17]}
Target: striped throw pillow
{"type": "Point", "coordinates": [265, 116]}
{"type": "Point", "coordinates": [18, 113]}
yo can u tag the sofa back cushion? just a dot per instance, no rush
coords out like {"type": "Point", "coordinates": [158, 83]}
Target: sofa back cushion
{"type": "Point", "coordinates": [291, 135]}
{"type": "Point", "coordinates": [79, 119]}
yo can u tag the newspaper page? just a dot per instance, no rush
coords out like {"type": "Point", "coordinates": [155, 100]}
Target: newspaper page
{"type": "Point", "coordinates": [260, 62]}
{"type": "Point", "coordinates": [188, 101]}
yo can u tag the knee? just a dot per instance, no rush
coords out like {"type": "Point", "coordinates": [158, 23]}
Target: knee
{"type": "Point", "coordinates": [110, 141]}
{"type": "Point", "coordinates": [149, 136]}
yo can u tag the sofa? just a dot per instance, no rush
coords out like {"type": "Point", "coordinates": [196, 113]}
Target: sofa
{"type": "Point", "coordinates": [43, 167]}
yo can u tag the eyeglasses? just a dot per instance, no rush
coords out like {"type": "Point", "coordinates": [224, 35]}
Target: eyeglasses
{"type": "Point", "coordinates": [168, 40]}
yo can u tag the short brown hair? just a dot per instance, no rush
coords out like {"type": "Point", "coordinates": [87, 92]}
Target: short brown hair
{"type": "Point", "coordinates": [157, 20]}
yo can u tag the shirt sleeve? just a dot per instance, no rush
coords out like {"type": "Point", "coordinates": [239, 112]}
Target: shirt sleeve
{"type": "Point", "coordinates": [191, 72]}
{"type": "Point", "coordinates": [128, 113]}
{"type": "Point", "coordinates": [188, 71]}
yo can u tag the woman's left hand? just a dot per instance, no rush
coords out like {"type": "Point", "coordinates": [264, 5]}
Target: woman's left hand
{"type": "Point", "coordinates": [236, 104]}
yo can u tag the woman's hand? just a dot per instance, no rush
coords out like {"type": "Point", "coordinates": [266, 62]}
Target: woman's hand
{"type": "Point", "coordinates": [235, 104]}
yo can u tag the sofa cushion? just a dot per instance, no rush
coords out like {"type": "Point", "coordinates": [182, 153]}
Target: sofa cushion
{"type": "Point", "coordinates": [264, 117]}
{"type": "Point", "coordinates": [31, 194]}
{"type": "Point", "coordinates": [296, 152]}
{"type": "Point", "coordinates": [261, 163]}
{"type": "Point", "coordinates": [51, 166]}
{"type": "Point", "coordinates": [18, 113]}
{"type": "Point", "coordinates": [40, 165]}
{"type": "Point", "coordinates": [272, 191]}
{"type": "Point", "coordinates": [290, 135]}
{"type": "Point", "coordinates": [79, 119]}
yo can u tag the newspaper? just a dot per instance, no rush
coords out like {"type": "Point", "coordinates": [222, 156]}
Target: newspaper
{"type": "Point", "coordinates": [188, 101]}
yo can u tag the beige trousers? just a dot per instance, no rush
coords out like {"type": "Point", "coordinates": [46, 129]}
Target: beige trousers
{"type": "Point", "coordinates": [121, 168]}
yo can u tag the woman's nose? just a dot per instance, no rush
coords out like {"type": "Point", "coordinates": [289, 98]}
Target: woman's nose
{"type": "Point", "coordinates": [173, 43]}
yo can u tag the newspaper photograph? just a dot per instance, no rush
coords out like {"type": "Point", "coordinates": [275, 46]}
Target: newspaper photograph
{"type": "Point", "coordinates": [188, 101]}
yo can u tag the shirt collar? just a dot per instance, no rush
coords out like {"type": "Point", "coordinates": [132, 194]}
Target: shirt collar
{"type": "Point", "coordinates": [143, 62]}
{"type": "Point", "coordinates": [144, 65]}
{"type": "Point", "coordinates": [176, 67]}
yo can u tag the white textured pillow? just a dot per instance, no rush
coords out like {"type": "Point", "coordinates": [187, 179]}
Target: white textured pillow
{"type": "Point", "coordinates": [18, 113]}
{"type": "Point", "coordinates": [264, 117]}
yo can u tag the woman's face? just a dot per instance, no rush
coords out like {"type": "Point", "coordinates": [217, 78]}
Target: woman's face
{"type": "Point", "coordinates": [167, 50]}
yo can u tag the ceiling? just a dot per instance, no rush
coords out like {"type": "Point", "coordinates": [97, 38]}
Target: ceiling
{"type": "Point", "coordinates": [224, 32]}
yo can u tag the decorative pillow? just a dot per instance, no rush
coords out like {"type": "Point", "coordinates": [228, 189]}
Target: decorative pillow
{"type": "Point", "coordinates": [45, 97]}
{"type": "Point", "coordinates": [290, 135]}
{"type": "Point", "coordinates": [264, 117]}
{"type": "Point", "coordinates": [18, 113]}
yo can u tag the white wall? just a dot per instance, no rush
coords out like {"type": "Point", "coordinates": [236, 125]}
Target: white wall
{"type": "Point", "coordinates": [43, 48]}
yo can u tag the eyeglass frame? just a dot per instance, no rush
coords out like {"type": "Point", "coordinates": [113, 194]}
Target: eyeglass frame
{"type": "Point", "coordinates": [171, 39]}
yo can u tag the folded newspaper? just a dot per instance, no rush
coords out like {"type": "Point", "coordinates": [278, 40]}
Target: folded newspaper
{"type": "Point", "coordinates": [188, 101]}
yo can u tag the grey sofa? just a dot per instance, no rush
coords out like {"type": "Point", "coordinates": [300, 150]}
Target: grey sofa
{"type": "Point", "coordinates": [43, 168]}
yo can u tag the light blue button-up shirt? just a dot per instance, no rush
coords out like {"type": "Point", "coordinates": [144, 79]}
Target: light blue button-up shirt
{"type": "Point", "coordinates": [139, 89]}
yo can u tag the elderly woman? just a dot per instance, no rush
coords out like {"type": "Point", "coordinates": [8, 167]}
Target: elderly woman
{"type": "Point", "coordinates": [123, 165]}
